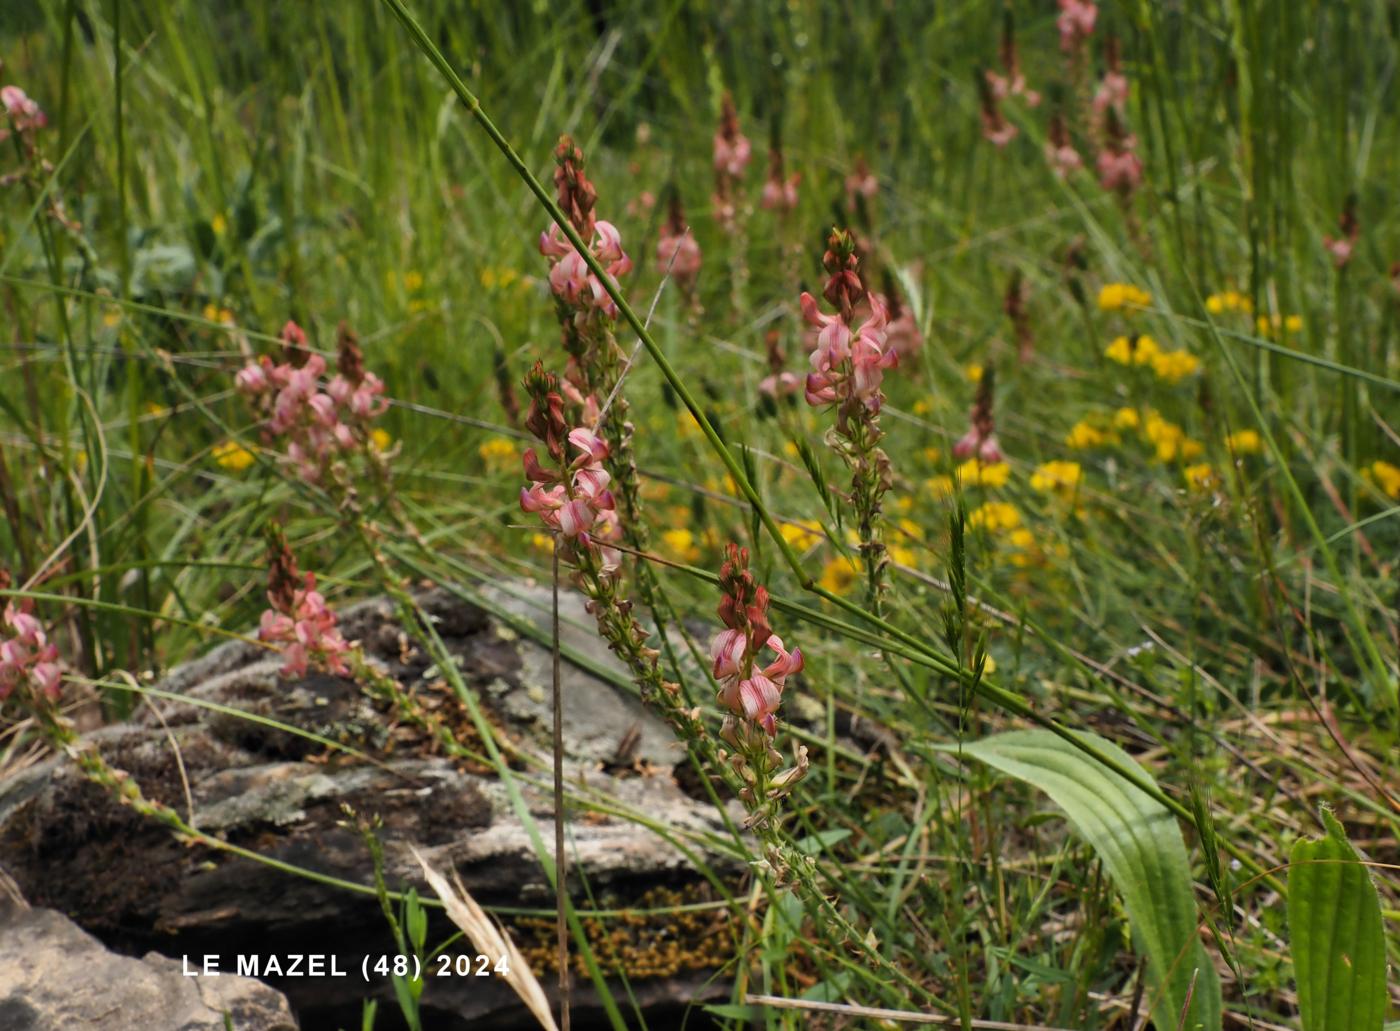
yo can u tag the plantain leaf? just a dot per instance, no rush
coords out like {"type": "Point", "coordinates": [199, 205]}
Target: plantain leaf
{"type": "Point", "coordinates": [1141, 847]}
{"type": "Point", "coordinates": [1334, 917]}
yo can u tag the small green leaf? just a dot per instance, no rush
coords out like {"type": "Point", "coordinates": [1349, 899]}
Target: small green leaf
{"type": "Point", "coordinates": [1140, 845]}
{"type": "Point", "coordinates": [1334, 917]}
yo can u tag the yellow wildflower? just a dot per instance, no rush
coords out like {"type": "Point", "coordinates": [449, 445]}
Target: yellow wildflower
{"type": "Point", "coordinates": [931, 454]}
{"type": "Point", "coordinates": [922, 406]}
{"type": "Point", "coordinates": [1201, 477]}
{"type": "Point", "coordinates": [1228, 300]}
{"type": "Point", "coordinates": [1244, 442]}
{"type": "Point", "coordinates": [214, 313]}
{"type": "Point", "coordinates": [1169, 440]}
{"type": "Point", "coordinates": [1116, 296]}
{"type": "Point", "coordinates": [904, 504]}
{"type": "Point", "coordinates": [112, 317]}
{"type": "Point", "coordinates": [232, 455]}
{"type": "Point", "coordinates": [1269, 325]}
{"type": "Point", "coordinates": [994, 516]}
{"type": "Point", "coordinates": [802, 535]}
{"type": "Point", "coordinates": [989, 665]}
{"type": "Point", "coordinates": [1174, 366]}
{"type": "Point", "coordinates": [1126, 419]}
{"type": "Point", "coordinates": [973, 371]}
{"type": "Point", "coordinates": [156, 409]}
{"type": "Point", "coordinates": [542, 542]}
{"type": "Point", "coordinates": [910, 529]}
{"type": "Point", "coordinates": [498, 278]}
{"type": "Point", "coordinates": [840, 574]}
{"type": "Point", "coordinates": [1136, 350]}
{"type": "Point", "coordinates": [974, 473]}
{"type": "Point", "coordinates": [1386, 477]}
{"type": "Point", "coordinates": [498, 452]}
{"type": "Point", "coordinates": [219, 224]}
{"type": "Point", "coordinates": [412, 281]}
{"type": "Point", "coordinates": [1084, 434]}
{"type": "Point", "coordinates": [686, 426]}
{"type": "Point", "coordinates": [1057, 476]}
{"type": "Point", "coordinates": [656, 490]}
{"type": "Point", "coordinates": [680, 544]}
{"type": "Point", "coordinates": [939, 486]}
{"type": "Point", "coordinates": [902, 556]}
{"type": "Point", "coordinates": [379, 439]}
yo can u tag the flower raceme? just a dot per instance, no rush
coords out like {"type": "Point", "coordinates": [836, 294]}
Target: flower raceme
{"type": "Point", "coordinates": [677, 252]}
{"type": "Point", "coordinates": [26, 655]}
{"type": "Point", "coordinates": [570, 278]}
{"type": "Point", "coordinates": [307, 630]}
{"type": "Point", "coordinates": [748, 690]}
{"type": "Point", "coordinates": [846, 364]}
{"type": "Point", "coordinates": [316, 423]}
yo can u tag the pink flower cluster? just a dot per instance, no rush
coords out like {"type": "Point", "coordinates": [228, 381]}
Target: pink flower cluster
{"type": "Point", "coordinates": [582, 508]}
{"type": "Point", "coordinates": [677, 252]}
{"type": "Point", "coordinates": [23, 112]}
{"type": "Point", "coordinates": [569, 275]}
{"type": "Point", "coordinates": [732, 148]}
{"type": "Point", "coordinates": [980, 440]}
{"type": "Point", "coordinates": [779, 192]}
{"type": "Point", "coordinates": [573, 499]}
{"type": "Point", "coordinates": [26, 656]}
{"type": "Point", "coordinates": [861, 182]}
{"type": "Point", "coordinates": [847, 364]}
{"type": "Point", "coordinates": [316, 423]}
{"type": "Point", "coordinates": [1076, 23]}
{"type": "Point", "coordinates": [1343, 244]}
{"type": "Point", "coordinates": [746, 689]}
{"type": "Point", "coordinates": [306, 628]}
{"type": "Point", "coordinates": [1059, 149]}
{"type": "Point", "coordinates": [1120, 169]}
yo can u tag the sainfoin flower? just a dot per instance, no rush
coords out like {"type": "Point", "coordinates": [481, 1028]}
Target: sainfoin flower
{"type": "Point", "coordinates": [980, 440]}
{"type": "Point", "coordinates": [677, 252]}
{"type": "Point", "coordinates": [315, 424]}
{"type": "Point", "coordinates": [749, 689]}
{"type": "Point", "coordinates": [23, 112]}
{"type": "Point", "coordinates": [1076, 23]}
{"type": "Point", "coordinates": [570, 278]}
{"type": "Point", "coordinates": [779, 193]}
{"type": "Point", "coordinates": [572, 500]}
{"type": "Point", "coordinates": [848, 364]}
{"type": "Point", "coordinates": [26, 655]}
{"type": "Point", "coordinates": [1059, 150]}
{"type": "Point", "coordinates": [307, 630]}
{"type": "Point", "coordinates": [732, 148]}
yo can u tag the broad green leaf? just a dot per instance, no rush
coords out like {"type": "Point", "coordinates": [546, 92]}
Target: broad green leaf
{"type": "Point", "coordinates": [1141, 847]}
{"type": "Point", "coordinates": [1334, 919]}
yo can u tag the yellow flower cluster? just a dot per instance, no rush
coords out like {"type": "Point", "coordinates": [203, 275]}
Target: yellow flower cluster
{"type": "Point", "coordinates": [1058, 477]}
{"type": "Point", "coordinates": [1169, 439]}
{"type": "Point", "coordinates": [973, 473]}
{"type": "Point", "coordinates": [1117, 296]}
{"type": "Point", "coordinates": [215, 313]}
{"type": "Point", "coordinates": [802, 535]}
{"type": "Point", "coordinates": [680, 545]}
{"type": "Point", "coordinates": [1228, 300]}
{"type": "Point", "coordinates": [233, 456]}
{"type": "Point", "coordinates": [1084, 435]}
{"type": "Point", "coordinates": [841, 574]}
{"type": "Point", "coordinates": [1201, 477]}
{"type": "Point", "coordinates": [1171, 366]}
{"type": "Point", "coordinates": [1269, 325]}
{"type": "Point", "coordinates": [1127, 419]}
{"type": "Point", "coordinates": [1386, 477]}
{"type": "Point", "coordinates": [1244, 442]}
{"type": "Point", "coordinates": [498, 452]}
{"type": "Point", "coordinates": [994, 516]}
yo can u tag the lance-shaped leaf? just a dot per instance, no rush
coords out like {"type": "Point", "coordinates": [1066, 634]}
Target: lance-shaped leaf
{"type": "Point", "coordinates": [1334, 919]}
{"type": "Point", "coordinates": [1140, 844]}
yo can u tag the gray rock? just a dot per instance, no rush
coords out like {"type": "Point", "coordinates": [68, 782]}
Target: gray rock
{"type": "Point", "coordinates": [56, 977]}
{"type": "Point", "coordinates": [132, 884]}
